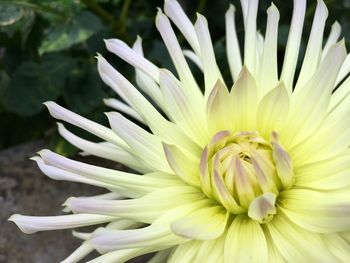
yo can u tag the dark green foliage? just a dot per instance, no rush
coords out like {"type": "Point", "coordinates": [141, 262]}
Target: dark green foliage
{"type": "Point", "coordinates": [47, 50]}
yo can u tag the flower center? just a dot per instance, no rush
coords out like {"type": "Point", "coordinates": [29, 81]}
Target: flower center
{"type": "Point", "coordinates": [245, 173]}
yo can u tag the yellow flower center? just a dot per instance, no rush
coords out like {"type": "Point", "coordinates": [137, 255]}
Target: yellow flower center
{"type": "Point", "coordinates": [245, 173]}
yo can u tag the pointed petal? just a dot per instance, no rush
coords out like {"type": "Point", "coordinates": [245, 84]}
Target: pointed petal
{"type": "Point", "coordinates": [213, 219]}
{"type": "Point", "coordinates": [183, 166]}
{"type": "Point", "coordinates": [244, 101]}
{"type": "Point", "coordinates": [296, 243]}
{"type": "Point", "coordinates": [61, 113]}
{"type": "Point", "coordinates": [332, 38]}
{"type": "Point", "coordinates": [245, 241]}
{"type": "Point", "coordinates": [273, 110]}
{"type": "Point", "coordinates": [268, 69]}
{"type": "Point", "coordinates": [124, 108]}
{"type": "Point", "coordinates": [78, 254]}
{"type": "Point", "coordinates": [250, 36]}
{"type": "Point", "coordinates": [185, 253]}
{"type": "Point", "coordinates": [218, 108]}
{"type": "Point", "coordinates": [145, 82]}
{"type": "Point", "coordinates": [33, 224]}
{"type": "Point", "coordinates": [113, 153]}
{"type": "Point", "coordinates": [177, 15]}
{"type": "Point", "coordinates": [210, 68]}
{"type": "Point", "coordinates": [309, 105]}
{"type": "Point", "coordinates": [332, 209]}
{"type": "Point", "coordinates": [232, 46]}
{"type": "Point", "coordinates": [147, 146]}
{"type": "Point", "coordinates": [168, 131]}
{"type": "Point", "coordinates": [293, 44]}
{"type": "Point", "coordinates": [314, 47]}
{"type": "Point", "coordinates": [184, 111]}
{"type": "Point", "coordinates": [182, 68]}
{"type": "Point", "coordinates": [132, 57]}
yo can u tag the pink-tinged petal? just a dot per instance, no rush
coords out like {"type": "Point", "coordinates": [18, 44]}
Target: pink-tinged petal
{"type": "Point", "coordinates": [212, 218]}
{"type": "Point", "coordinates": [183, 166]}
{"type": "Point", "coordinates": [33, 224]}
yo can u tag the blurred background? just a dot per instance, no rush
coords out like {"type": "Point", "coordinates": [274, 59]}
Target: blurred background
{"type": "Point", "coordinates": [47, 50]}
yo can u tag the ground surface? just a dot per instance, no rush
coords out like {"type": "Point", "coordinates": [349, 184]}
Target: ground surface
{"type": "Point", "coordinates": [24, 189]}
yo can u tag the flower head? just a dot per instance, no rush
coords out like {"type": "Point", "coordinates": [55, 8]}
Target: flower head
{"type": "Point", "coordinates": [254, 173]}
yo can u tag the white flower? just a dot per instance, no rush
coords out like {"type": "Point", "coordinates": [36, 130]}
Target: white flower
{"type": "Point", "coordinates": [259, 172]}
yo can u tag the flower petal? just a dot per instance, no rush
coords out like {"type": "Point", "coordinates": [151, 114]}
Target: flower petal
{"type": "Point", "coordinates": [331, 208]}
{"type": "Point", "coordinates": [211, 218]}
{"type": "Point", "coordinates": [210, 68]}
{"type": "Point", "coordinates": [245, 241]}
{"type": "Point", "coordinates": [293, 44]}
{"type": "Point", "coordinates": [273, 110]}
{"type": "Point", "coordinates": [110, 152]}
{"type": "Point", "coordinates": [295, 243]}
{"type": "Point", "coordinates": [232, 45]}
{"type": "Point", "coordinates": [244, 101]}
{"type": "Point", "coordinates": [33, 224]}
{"type": "Point", "coordinates": [268, 78]}
{"type": "Point", "coordinates": [314, 47]}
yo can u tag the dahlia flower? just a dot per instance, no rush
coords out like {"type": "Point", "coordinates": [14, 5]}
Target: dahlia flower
{"type": "Point", "coordinates": [259, 172]}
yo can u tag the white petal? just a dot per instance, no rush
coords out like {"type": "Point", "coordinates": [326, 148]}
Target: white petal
{"type": "Point", "coordinates": [124, 108]}
{"type": "Point", "coordinates": [314, 47]}
{"type": "Point", "coordinates": [60, 174]}
{"type": "Point", "coordinates": [145, 82]}
{"type": "Point", "coordinates": [273, 110]}
{"type": "Point", "coordinates": [332, 209]}
{"type": "Point", "coordinates": [61, 113]}
{"type": "Point", "coordinates": [293, 44]}
{"type": "Point", "coordinates": [232, 45]}
{"type": "Point", "coordinates": [309, 104]}
{"type": "Point", "coordinates": [113, 152]}
{"type": "Point", "coordinates": [250, 36]}
{"type": "Point", "coordinates": [210, 69]}
{"type": "Point", "coordinates": [245, 242]}
{"type": "Point", "coordinates": [211, 251]}
{"type": "Point", "coordinates": [296, 243]}
{"type": "Point", "coordinates": [161, 256]}
{"type": "Point", "coordinates": [344, 71]}
{"type": "Point", "coordinates": [332, 38]}
{"type": "Point", "coordinates": [182, 68]}
{"type": "Point", "coordinates": [78, 254]}
{"type": "Point", "coordinates": [147, 146]}
{"type": "Point", "coordinates": [174, 11]}
{"type": "Point", "coordinates": [169, 132]}
{"type": "Point", "coordinates": [244, 101]}
{"type": "Point", "coordinates": [183, 165]}
{"type": "Point", "coordinates": [328, 174]}
{"type": "Point", "coordinates": [338, 246]}
{"type": "Point", "coordinates": [109, 176]}
{"type": "Point", "coordinates": [32, 224]}
{"type": "Point", "coordinates": [145, 209]}
{"type": "Point", "coordinates": [213, 219]}
{"type": "Point", "coordinates": [132, 57]}
{"type": "Point", "coordinates": [185, 253]}
{"type": "Point", "coordinates": [193, 57]}
{"type": "Point", "coordinates": [268, 70]}
{"type": "Point", "coordinates": [184, 111]}
{"type": "Point", "coordinates": [219, 108]}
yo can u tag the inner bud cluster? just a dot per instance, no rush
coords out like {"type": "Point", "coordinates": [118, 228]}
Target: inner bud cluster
{"type": "Point", "coordinates": [245, 173]}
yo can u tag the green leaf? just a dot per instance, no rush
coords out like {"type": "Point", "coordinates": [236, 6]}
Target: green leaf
{"type": "Point", "coordinates": [76, 30]}
{"type": "Point", "coordinates": [33, 83]}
